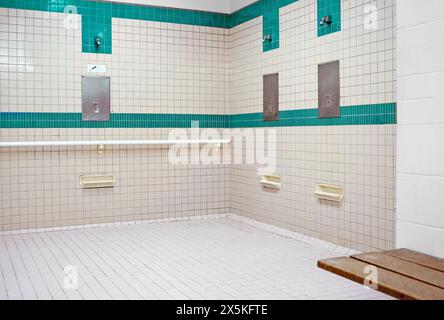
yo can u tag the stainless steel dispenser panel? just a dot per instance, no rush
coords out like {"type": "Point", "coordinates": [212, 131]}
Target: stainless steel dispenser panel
{"type": "Point", "coordinates": [271, 97]}
{"type": "Point", "coordinates": [95, 99]}
{"type": "Point", "coordinates": [328, 90]}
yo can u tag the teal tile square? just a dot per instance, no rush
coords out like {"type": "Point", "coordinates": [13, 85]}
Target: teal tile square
{"type": "Point", "coordinates": [329, 8]}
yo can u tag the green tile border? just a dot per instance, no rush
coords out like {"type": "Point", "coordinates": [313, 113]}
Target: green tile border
{"type": "Point", "coordinates": [101, 9]}
{"type": "Point", "coordinates": [332, 8]}
{"type": "Point", "coordinates": [373, 114]}
{"type": "Point", "coordinates": [126, 11]}
{"type": "Point", "coordinates": [270, 26]}
{"type": "Point", "coordinates": [97, 17]}
{"type": "Point", "coordinates": [118, 120]}
{"type": "Point", "coordinates": [97, 21]}
{"type": "Point", "coordinates": [352, 115]}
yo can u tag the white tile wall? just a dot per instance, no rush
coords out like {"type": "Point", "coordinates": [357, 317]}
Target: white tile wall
{"type": "Point", "coordinates": [155, 68]}
{"type": "Point", "coordinates": [360, 158]}
{"type": "Point", "coordinates": [40, 186]}
{"type": "Point", "coordinates": [421, 199]}
{"type": "Point", "coordinates": [169, 68]}
{"type": "Point", "coordinates": [420, 172]}
{"type": "Point", "coordinates": [40, 62]}
{"type": "Point", "coordinates": [420, 148]}
{"type": "Point", "coordinates": [367, 58]}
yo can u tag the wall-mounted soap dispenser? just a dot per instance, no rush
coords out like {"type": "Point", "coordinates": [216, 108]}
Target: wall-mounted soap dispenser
{"type": "Point", "coordinates": [271, 97]}
{"type": "Point", "coordinates": [95, 99]}
{"type": "Point", "coordinates": [328, 90]}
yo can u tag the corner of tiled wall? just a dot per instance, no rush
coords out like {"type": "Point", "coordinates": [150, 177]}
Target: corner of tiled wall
{"type": "Point", "coordinates": [168, 68]}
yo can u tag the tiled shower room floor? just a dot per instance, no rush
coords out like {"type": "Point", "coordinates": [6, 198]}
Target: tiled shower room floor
{"type": "Point", "coordinates": [203, 259]}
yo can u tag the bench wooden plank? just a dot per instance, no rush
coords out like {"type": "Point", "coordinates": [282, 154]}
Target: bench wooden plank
{"type": "Point", "coordinates": [389, 282]}
{"type": "Point", "coordinates": [418, 258]}
{"type": "Point", "coordinates": [404, 267]}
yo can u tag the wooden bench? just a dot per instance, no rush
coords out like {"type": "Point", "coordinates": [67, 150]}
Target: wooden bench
{"type": "Point", "coordinates": [401, 273]}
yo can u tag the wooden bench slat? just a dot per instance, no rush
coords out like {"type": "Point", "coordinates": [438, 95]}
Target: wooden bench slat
{"type": "Point", "coordinates": [418, 258]}
{"type": "Point", "coordinates": [389, 282]}
{"type": "Point", "coordinates": [404, 267]}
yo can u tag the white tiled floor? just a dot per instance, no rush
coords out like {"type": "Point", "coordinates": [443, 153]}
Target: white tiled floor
{"type": "Point", "coordinates": [203, 259]}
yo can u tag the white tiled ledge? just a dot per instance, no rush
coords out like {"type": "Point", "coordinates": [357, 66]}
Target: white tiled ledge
{"type": "Point", "coordinates": [260, 225]}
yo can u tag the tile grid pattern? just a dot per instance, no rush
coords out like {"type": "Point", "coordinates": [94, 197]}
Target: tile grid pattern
{"type": "Point", "coordinates": [211, 259]}
{"type": "Point", "coordinates": [352, 115]}
{"type": "Point", "coordinates": [420, 170]}
{"type": "Point", "coordinates": [360, 158]}
{"type": "Point", "coordinates": [119, 120]}
{"type": "Point", "coordinates": [97, 17]}
{"type": "Point", "coordinates": [156, 67]}
{"type": "Point", "coordinates": [183, 67]}
{"type": "Point", "coordinates": [329, 8]}
{"type": "Point", "coordinates": [367, 58]}
{"type": "Point", "coordinates": [40, 186]}
{"type": "Point", "coordinates": [208, 64]}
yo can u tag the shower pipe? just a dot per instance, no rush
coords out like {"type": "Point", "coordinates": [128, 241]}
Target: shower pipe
{"type": "Point", "coordinates": [108, 142]}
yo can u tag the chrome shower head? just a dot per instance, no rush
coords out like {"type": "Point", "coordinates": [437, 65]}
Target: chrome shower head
{"type": "Point", "coordinates": [267, 38]}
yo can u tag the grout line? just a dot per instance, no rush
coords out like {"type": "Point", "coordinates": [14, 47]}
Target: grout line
{"type": "Point", "coordinates": [422, 24]}
{"type": "Point", "coordinates": [294, 235]}
{"type": "Point", "coordinates": [257, 224]}
{"type": "Point", "coordinates": [422, 225]}
{"type": "Point", "coordinates": [420, 175]}
{"type": "Point", "coordinates": [113, 224]}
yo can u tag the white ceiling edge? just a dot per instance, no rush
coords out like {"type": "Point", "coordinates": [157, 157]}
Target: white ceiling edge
{"type": "Point", "coordinates": [221, 6]}
{"type": "Point", "coordinates": [239, 4]}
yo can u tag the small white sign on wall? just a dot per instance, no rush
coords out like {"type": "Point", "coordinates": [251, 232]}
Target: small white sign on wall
{"type": "Point", "coordinates": [97, 68]}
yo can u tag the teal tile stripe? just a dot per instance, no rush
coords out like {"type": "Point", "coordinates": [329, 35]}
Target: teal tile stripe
{"type": "Point", "coordinates": [101, 9]}
{"type": "Point", "coordinates": [256, 9]}
{"type": "Point", "coordinates": [171, 15]}
{"type": "Point", "coordinates": [96, 21]}
{"type": "Point", "coordinates": [269, 10]}
{"type": "Point", "coordinates": [352, 115]}
{"type": "Point", "coordinates": [332, 8]}
{"type": "Point", "coordinates": [118, 120]}
{"type": "Point", "coordinates": [270, 27]}
{"type": "Point", "coordinates": [97, 16]}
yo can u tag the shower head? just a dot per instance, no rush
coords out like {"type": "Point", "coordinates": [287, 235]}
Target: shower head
{"type": "Point", "coordinates": [325, 20]}
{"type": "Point", "coordinates": [267, 38]}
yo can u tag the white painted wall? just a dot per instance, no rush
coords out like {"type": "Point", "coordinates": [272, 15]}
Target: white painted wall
{"type": "Point", "coordinates": [239, 4]}
{"type": "Point", "coordinates": [222, 6]}
{"type": "Point", "coordinates": [420, 156]}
